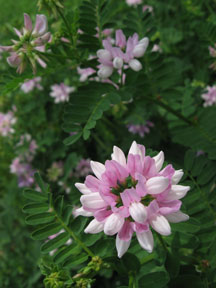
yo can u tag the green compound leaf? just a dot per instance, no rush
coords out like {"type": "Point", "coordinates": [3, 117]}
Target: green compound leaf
{"type": "Point", "coordinates": [55, 243]}
{"type": "Point", "coordinates": [47, 231]}
{"type": "Point", "coordinates": [41, 218]}
{"type": "Point", "coordinates": [35, 195]}
{"type": "Point", "coordinates": [66, 251]}
{"type": "Point", "coordinates": [35, 208]}
{"type": "Point", "coordinates": [156, 280]}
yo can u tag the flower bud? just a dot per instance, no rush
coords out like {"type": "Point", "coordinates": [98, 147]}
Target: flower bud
{"type": "Point", "coordinates": [141, 47]}
{"type": "Point", "coordinates": [104, 54]}
{"type": "Point", "coordinates": [105, 72]}
{"type": "Point", "coordinates": [135, 65]}
{"type": "Point", "coordinates": [118, 62]}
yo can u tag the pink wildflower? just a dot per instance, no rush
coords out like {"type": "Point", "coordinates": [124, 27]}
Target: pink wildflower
{"type": "Point", "coordinates": [31, 41]}
{"type": "Point", "coordinates": [85, 73]}
{"type": "Point", "coordinates": [61, 92]}
{"type": "Point", "coordinates": [131, 195]}
{"type": "Point", "coordinates": [29, 85]}
{"type": "Point", "coordinates": [210, 96]}
{"type": "Point", "coordinates": [6, 122]}
{"type": "Point", "coordinates": [24, 171]}
{"type": "Point", "coordinates": [140, 129]}
{"type": "Point", "coordinates": [121, 56]}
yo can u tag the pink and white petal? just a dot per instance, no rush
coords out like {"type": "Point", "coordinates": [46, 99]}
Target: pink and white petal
{"type": "Point", "coordinates": [40, 26]}
{"type": "Point", "coordinates": [119, 156]}
{"type": "Point", "coordinates": [102, 214]}
{"type": "Point", "coordinates": [138, 212]}
{"type": "Point", "coordinates": [141, 187]}
{"type": "Point", "coordinates": [97, 168]}
{"type": "Point", "coordinates": [92, 183]}
{"type": "Point", "coordinates": [169, 207]}
{"type": "Point", "coordinates": [113, 224]}
{"type": "Point", "coordinates": [93, 201]}
{"type": "Point", "coordinates": [146, 240]}
{"type": "Point", "coordinates": [19, 34]}
{"type": "Point", "coordinates": [156, 185]}
{"type": "Point", "coordinates": [177, 192]}
{"type": "Point", "coordinates": [177, 176]}
{"type": "Point", "coordinates": [159, 160]}
{"type": "Point", "coordinates": [177, 217]}
{"type": "Point", "coordinates": [27, 22]}
{"type": "Point", "coordinates": [82, 188]}
{"type": "Point", "coordinates": [81, 212]}
{"type": "Point", "coordinates": [94, 227]}
{"type": "Point", "coordinates": [41, 62]}
{"type": "Point", "coordinates": [122, 246]}
{"type": "Point", "coordinates": [126, 231]}
{"type": "Point", "coordinates": [160, 224]}
{"type": "Point", "coordinates": [134, 149]}
{"type": "Point", "coordinates": [129, 196]}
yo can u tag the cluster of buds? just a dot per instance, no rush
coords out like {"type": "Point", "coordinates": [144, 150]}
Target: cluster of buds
{"type": "Point", "coordinates": [30, 44]}
{"type": "Point", "coordinates": [140, 129]}
{"type": "Point", "coordinates": [122, 55]}
{"type": "Point", "coordinates": [55, 171]}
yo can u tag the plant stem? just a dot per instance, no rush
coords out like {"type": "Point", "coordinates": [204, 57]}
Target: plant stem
{"type": "Point", "coordinates": [71, 233]}
{"type": "Point", "coordinates": [132, 283]}
{"type": "Point", "coordinates": [66, 23]}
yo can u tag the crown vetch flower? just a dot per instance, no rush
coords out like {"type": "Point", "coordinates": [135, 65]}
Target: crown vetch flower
{"type": "Point", "coordinates": [210, 96]}
{"type": "Point", "coordinates": [31, 41]}
{"type": "Point", "coordinates": [29, 85]}
{"type": "Point", "coordinates": [6, 122]}
{"type": "Point", "coordinates": [61, 92]}
{"type": "Point", "coordinates": [140, 129]}
{"type": "Point", "coordinates": [132, 195]}
{"type": "Point", "coordinates": [122, 55]}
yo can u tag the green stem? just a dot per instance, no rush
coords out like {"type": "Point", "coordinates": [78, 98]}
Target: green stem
{"type": "Point", "coordinates": [66, 23]}
{"type": "Point", "coordinates": [132, 282]}
{"type": "Point", "coordinates": [162, 242]}
{"type": "Point", "coordinates": [71, 233]}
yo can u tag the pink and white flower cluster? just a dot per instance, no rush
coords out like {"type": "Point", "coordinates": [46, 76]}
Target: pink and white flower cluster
{"type": "Point", "coordinates": [140, 129]}
{"type": "Point", "coordinates": [210, 96]}
{"type": "Point", "coordinates": [31, 41]}
{"type": "Point", "coordinates": [30, 85]}
{"type": "Point", "coordinates": [132, 195]}
{"type": "Point", "coordinates": [7, 120]}
{"type": "Point", "coordinates": [21, 165]}
{"type": "Point", "coordinates": [60, 92]}
{"type": "Point", "coordinates": [122, 55]}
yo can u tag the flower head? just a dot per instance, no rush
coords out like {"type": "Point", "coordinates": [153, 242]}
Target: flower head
{"type": "Point", "coordinates": [140, 129]}
{"type": "Point", "coordinates": [31, 41]}
{"type": "Point", "coordinates": [132, 195]}
{"type": "Point", "coordinates": [29, 85]}
{"type": "Point", "coordinates": [61, 92]}
{"type": "Point", "coordinates": [6, 122]}
{"type": "Point", "coordinates": [122, 55]}
{"type": "Point", "coordinates": [24, 171]}
{"type": "Point", "coordinates": [210, 96]}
